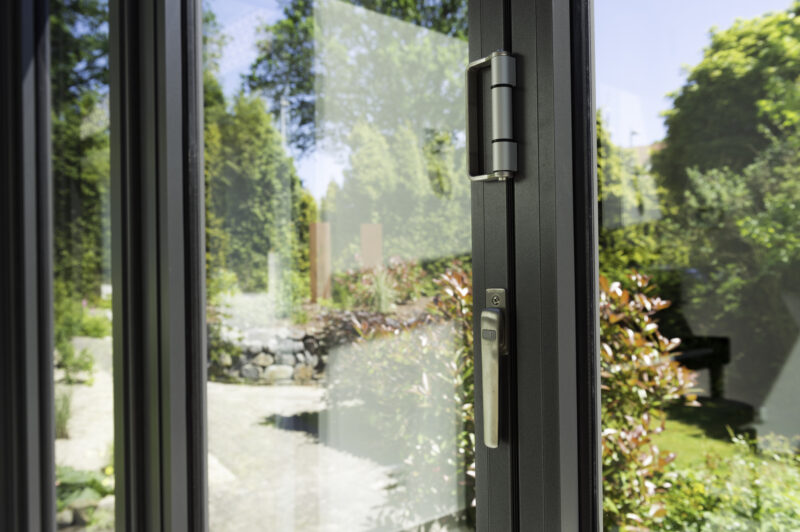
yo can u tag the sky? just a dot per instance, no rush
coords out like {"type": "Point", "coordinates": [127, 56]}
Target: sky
{"type": "Point", "coordinates": [642, 48]}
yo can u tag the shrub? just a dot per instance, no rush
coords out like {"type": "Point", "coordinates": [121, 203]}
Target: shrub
{"type": "Point", "coordinates": [63, 411]}
{"type": "Point", "coordinates": [402, 370]}
{"type": "Point", "coordinates": [758, 488]}
{"type": "Point", "coordinates": [77, 487]}
{"type": "Point", "coordinates": [95, 325]}
{"type": "Point", "coordinates": [639, 379]}
{"type": "Point", "coordinates": [377, 289]}
{"type": "Point", "coordinates": [71, 320]}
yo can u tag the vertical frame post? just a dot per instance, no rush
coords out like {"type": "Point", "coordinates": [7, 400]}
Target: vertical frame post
{"type": "Point", "coordinates": [158, 264]}
{"type": "Point", "coordinates": [493, 267]}
{"type": "Point", "coordinates": [556, 263]}
{"type": "Point", "coordinates": [27, 479]}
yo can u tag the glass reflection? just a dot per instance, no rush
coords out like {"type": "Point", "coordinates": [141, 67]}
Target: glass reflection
{"type": "Point", "coordinates": [339, 271]}
{"type": "Point", "coordinates": [84, 422]}
{"type": "Point", "coordinates": [699, 207]}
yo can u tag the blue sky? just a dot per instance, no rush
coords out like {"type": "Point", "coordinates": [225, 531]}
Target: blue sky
{"type": "Point", "coordinates": [641, 50]}
{"type": "Point", "coordinates": [641, 47]}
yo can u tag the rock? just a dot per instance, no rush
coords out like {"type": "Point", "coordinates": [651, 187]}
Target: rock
{"type": "Point", "coordinates": [83, 516]}
{"type": "Point", "coordinates": [65, 517]}
{"type": "Point", "coordinates": [288, 346]}
{"type": "Point", "coordinates": [263, 360]}
{"type": "Point", "coordinates": [250, 372]}
{"type": "Point", "coordinates": [278, 372]}
{"type": "Point", "coordinates": [252, 347]}
{"type": "Point", "coordinates": [303, 373]}
{"type": "Point", "coordinates": [312, 360]}
{"type": "Point", "coordinates": [106, 503]}
{"type": "Point", "coordinates": [225, 360]}
{"type": "Point", "coordinates": [311, 344]}
{"type": "Point", "coordinates": [301, 358]}
{"type": "Point", "coordinates": [286, 359]}
{"type": "Point", "coordinates": [272, 345]}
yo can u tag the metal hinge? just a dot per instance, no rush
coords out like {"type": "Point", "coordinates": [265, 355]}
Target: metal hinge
{"type": "Point", "coordinates": [504, 148]}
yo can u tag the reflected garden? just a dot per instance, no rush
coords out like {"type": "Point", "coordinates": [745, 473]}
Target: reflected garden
{"type": "Point", "coordinates": [339, 273]}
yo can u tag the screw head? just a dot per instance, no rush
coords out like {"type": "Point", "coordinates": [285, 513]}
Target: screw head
{"type": "Point", "coordinates": [495, 300]}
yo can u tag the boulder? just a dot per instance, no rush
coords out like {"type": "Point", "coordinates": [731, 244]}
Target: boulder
{"type": "Point", "coordinates": [250, 372]}
{"type": "Point", "coordinates": [252, 347]}
{"type": "Point", "coordinates": [263, 360]}
{"type": "Point", "coordinates": [106, 503]}
{"type": "Point", "coordinates": [225, 360]}
{"type": "Point", "coordinates": [279, 372]}
{"type": "Point", "coordinates": [311, 344]}
{"type": "Point", "coordinates": [312, 360]}
{"type": "Point", "coordinates": [285, 359]}
{"type": "Point", "coordinates": [65, 517]}
{"type": "Point", "coordinates": [288, 346]}
{"type": "Point", "coordinates": [303, 373]}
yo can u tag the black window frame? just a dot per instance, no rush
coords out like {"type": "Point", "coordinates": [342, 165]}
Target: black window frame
{"type": "Point", "coordinates": [546, 473]}
{"type": "Point", "coordinates": [158, 264]}
{"type": "Point", "coordinates": [27, 430]}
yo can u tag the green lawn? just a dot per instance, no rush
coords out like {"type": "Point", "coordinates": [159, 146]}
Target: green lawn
{"type": "Point", "coordinates": [692, 433]}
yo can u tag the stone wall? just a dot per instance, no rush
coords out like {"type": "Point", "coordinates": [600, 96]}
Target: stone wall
{"type": "Point", "coordinates": [279, 360]}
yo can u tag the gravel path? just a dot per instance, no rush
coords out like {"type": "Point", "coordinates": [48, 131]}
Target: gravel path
{"type": "Point", "coordinates": [265, 478]}
{"type": "Point", "coordinates": [261, 477]}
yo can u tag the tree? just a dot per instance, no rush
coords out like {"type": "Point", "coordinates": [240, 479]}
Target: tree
{"type": "Point", "coordinates": [79, 75]}
{"type": "Point", "coordinates": [746, 83]}
{"type": "Point", "coordinates": [288, 61]}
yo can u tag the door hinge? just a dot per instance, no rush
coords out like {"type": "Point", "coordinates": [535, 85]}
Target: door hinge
{"type": "Point", "coordinates": [503, 69]}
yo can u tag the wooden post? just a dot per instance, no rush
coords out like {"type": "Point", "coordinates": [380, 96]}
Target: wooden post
{"type": "Point", "coordinates": [371, 245]}
{"type": "Point", "coordinates": [320, 257]}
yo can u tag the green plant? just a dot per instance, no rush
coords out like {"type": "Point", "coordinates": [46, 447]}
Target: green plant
{"type": "Point", "coordinates": [63, 412]}
{"type": "Point", "coordinates": [638, 380]}
{"type": "Point", "coordinates": [403, 370]}
{"type": "Point", "coordinates": [95, 325]}
{"type": "Point", "coordinates": [70, 320]}
{"type": "Point", "coordinates": [755, 487]}
{"type": "Point", "coordinates": [78, 487]}
{"type": "Point", "coordinates": [382, 291]}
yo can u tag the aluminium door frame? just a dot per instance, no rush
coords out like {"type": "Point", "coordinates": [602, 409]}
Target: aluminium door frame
{"type": "Point", "coordinates": [158, 264]}
{"type": "Point", "coordinates": [27, 471]}
{"type": "Point", "coordinates": [536, 236]}
{"type": "Point", "coordinates": [546, 473]}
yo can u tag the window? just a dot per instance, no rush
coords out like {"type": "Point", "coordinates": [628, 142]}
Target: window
{"type": "Point", "coordinates": [698, 176]}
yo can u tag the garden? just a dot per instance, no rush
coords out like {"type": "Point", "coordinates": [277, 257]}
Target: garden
{"type": "Point", "coordinates": [699, 260]}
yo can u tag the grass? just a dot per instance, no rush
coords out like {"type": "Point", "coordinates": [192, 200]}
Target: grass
{"type": "Point", "coordinates": [63, 411]}
{"type": "Point", "coordinates": [693, 433]}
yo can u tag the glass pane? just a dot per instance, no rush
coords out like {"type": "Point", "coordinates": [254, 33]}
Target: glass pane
{"type": "Point", "coordinates": [339, 268]}
{"type": "Point", "coordinates": [699, 173]}
{"type": "Point", "coordinates": [84, 420]}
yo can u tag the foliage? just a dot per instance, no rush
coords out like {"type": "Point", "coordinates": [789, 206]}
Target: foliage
{"type": "Point", "coordinates": [79, 76]}
{"type": "Point", "coordinates": [387, 182]}
{"type": "Point", "coordinates": [288, 56]}
{"type": "Point", "coordinates": [63, 411]}
{"type": "Point", "coordinates": [746, 83]}
{"type": "Point", "coordinates": [401, 281]}
{"type": "Point", "coordinates": [414, 375]}
{"type": "Point", "coordinates": [78, 487]}
{"type": "Point", "coordinates": [757, 488]}
{"type": "Point", "coordinates": [257, 212]}
{"type": "Point", "coordinates": [638, 380]}
{"type": "Point", "coordinates": [633, 231]}
{"type": "Point", "coordinates": [69, 322]}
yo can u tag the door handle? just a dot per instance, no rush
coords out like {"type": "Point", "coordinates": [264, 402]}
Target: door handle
{"type": "Point", "coordinates": [493, 344]}
{"type": "Point", "coordinates": [504, 148]}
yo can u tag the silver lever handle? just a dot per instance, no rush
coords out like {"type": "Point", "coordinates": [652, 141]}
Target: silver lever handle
{"type": "Point", "coordinates": [504, 147]}
{"type": "Point", "coordinates": [493, 344]}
